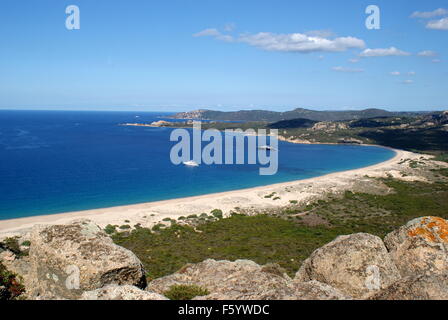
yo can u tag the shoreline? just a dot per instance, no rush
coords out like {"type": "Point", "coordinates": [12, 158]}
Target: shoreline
{"type": "Point", "coordinates": [252, 199]}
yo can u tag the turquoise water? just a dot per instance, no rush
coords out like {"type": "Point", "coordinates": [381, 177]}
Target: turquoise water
{"type": "Point", "coordinates": [54, 162]}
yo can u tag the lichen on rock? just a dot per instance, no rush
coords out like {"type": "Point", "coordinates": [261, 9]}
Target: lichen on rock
{"type": "Point", "coordinates": [421, 246]}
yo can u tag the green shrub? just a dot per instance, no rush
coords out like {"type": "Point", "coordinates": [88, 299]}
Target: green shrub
{"type": "Point", "coordinates": [270, 195]}
{"type": "Point", "coordinates": [12, 284]}
{"type": "Point", "coordinates": [125, 227]}
{"type": "Point", "coordinates": [261, 238]}
{"type": "Point", "coordinates": [442, 157]}
{"type": "Point", "coordinates": [11, 244]}
{"type": "Point", "coordinates": [217, 213]}
{"type": "Point", "coordinates": [185, 292]}
{"type": "Point", "coordinates": [109, 229]}
{"type": "Point", "coordinates": [26, 243]}
{"type": "Point", "coordinates": [158, 227]}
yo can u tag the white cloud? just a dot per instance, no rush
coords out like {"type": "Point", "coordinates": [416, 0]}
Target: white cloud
{"type": "Point", "coordinates": [429, 14]}
{"type": "Point", "coordinates": [395, 73]}
{"type": "Point", "coordinates": [208, 33]}
{"type": "Point", "coordinates": [411, 73]}
{"type": "Point", "coordinates": [298, 42]}
{"type": "Point", "coordinates": [225, 37]}
{"type": "Point", "coordinates": [407, 82]}
{"type": "Point", "coordinates": [427, 53]}
{"type": "Point", "coordinates": [312, 41]}
{"type": "Point", "coordinates": [392, 51]}
{"type": "Point", "coordinates": [212, 32]}
{"type": "Point", "coordinates": [441, 24]}
{"type": "Point", "coordinates": [348, 70]}
{"type": "Point", "coordinates": [436, 60]}
{"type": "Point", "coordinates": [353, 60]}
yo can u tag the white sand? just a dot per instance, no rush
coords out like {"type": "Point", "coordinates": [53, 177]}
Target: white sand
{"type": "Point", "coordinates": [147, 214]}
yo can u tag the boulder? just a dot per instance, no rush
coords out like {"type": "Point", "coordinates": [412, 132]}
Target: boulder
{"type": "Point", "coordinates": [315, 290]}
{"type": "Point", "coordinates": [357, 265]}
{"type": "Point", "coordinates": [311, 290]}
{"type": "Point", "coordinates": [66, 260]}
{"type": "Point", "coordinates": [417, 287]}
{"type": "Point", "coordinates": [126, 292]}
{"type": "Point", "coordinates": [420, 246]}
{"type": "Point", "coordinates": [244, 280]}
{"type": "Point", "coordinates": [239, 280]}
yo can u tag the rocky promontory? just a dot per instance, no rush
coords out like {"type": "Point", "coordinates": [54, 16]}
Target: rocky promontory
{"type": "Point", "coordinates": [80, 261]}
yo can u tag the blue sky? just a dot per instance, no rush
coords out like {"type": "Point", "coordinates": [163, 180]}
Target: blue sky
{"type": "Point", "coordinates": [223, 54]}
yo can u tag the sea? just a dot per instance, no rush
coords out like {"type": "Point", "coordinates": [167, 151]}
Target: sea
{"type": "Point", "coordinates": [61, 161]}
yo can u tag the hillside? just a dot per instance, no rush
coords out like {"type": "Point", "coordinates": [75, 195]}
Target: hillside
{"type": "Point", "coordinates": [425, 133]}
{"type": "Point", "coordinates": [417, 132]}
{"type": "Point", "coordinates": [272, 116]}
{"type": "Point", "coordinates": [295, 123]}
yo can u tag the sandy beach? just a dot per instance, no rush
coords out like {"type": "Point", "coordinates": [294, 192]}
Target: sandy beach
{"type": "Point", "coordinates": [252, 200]}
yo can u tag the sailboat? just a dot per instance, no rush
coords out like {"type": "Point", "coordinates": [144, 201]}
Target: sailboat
{"type": "Point", "coordinates": [191, 163]}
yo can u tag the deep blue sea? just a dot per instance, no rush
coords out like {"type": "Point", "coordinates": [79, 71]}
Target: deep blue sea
{"type": "Point", "coordinates": [61, 161]}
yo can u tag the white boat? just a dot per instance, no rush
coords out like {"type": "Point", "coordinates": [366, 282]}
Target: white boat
{"type": "Point", "coordinates": [191, 163]}
{"type": "Point", "coordinates": [267, 148]}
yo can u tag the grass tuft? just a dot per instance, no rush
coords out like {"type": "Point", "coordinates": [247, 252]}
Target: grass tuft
{"type": "Point", "coordinates": [185, 292]}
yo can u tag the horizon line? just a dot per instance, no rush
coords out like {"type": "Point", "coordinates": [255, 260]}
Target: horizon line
{"type": "Point", "coordinates": [97, 109]}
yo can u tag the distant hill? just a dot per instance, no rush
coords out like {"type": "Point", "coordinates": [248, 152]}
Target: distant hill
{"type": "Point", "coordinates": [300, 113]}
{"type": "Point", "coordinates": [381, 122]}
{"type": "Point", "coordinates": [294, 123]}
{"type": "Point", "coordinates": [438, 118]}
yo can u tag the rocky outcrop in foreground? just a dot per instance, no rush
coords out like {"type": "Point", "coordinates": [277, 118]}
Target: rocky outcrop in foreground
{"type": "Point", "coordinates": [419, 287]}
{"type": "Point", "coordinates": [116, 292]}
{"type": "Point", "coordinates": [79, 261]}
{"type": "Point", "coordinates": [244, 280]}
{"type": "Point", "coordinates": [66, 260]}
{"type": "Point", "coordinates": [356, 264]}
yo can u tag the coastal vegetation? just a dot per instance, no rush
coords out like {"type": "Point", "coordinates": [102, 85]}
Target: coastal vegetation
{"type": "Point", "coordinates": [10, 284]}
{"type": "Point", "coordinates": [272, 116]}
{"type": "Point", "coordinates": [286, 236]}
{"type": "Point", "coordinates": [185, 292]}
{"type": "Point", "coordinates": [12, 244]}
{"type": "Point", "coordinates": [416, 132]}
